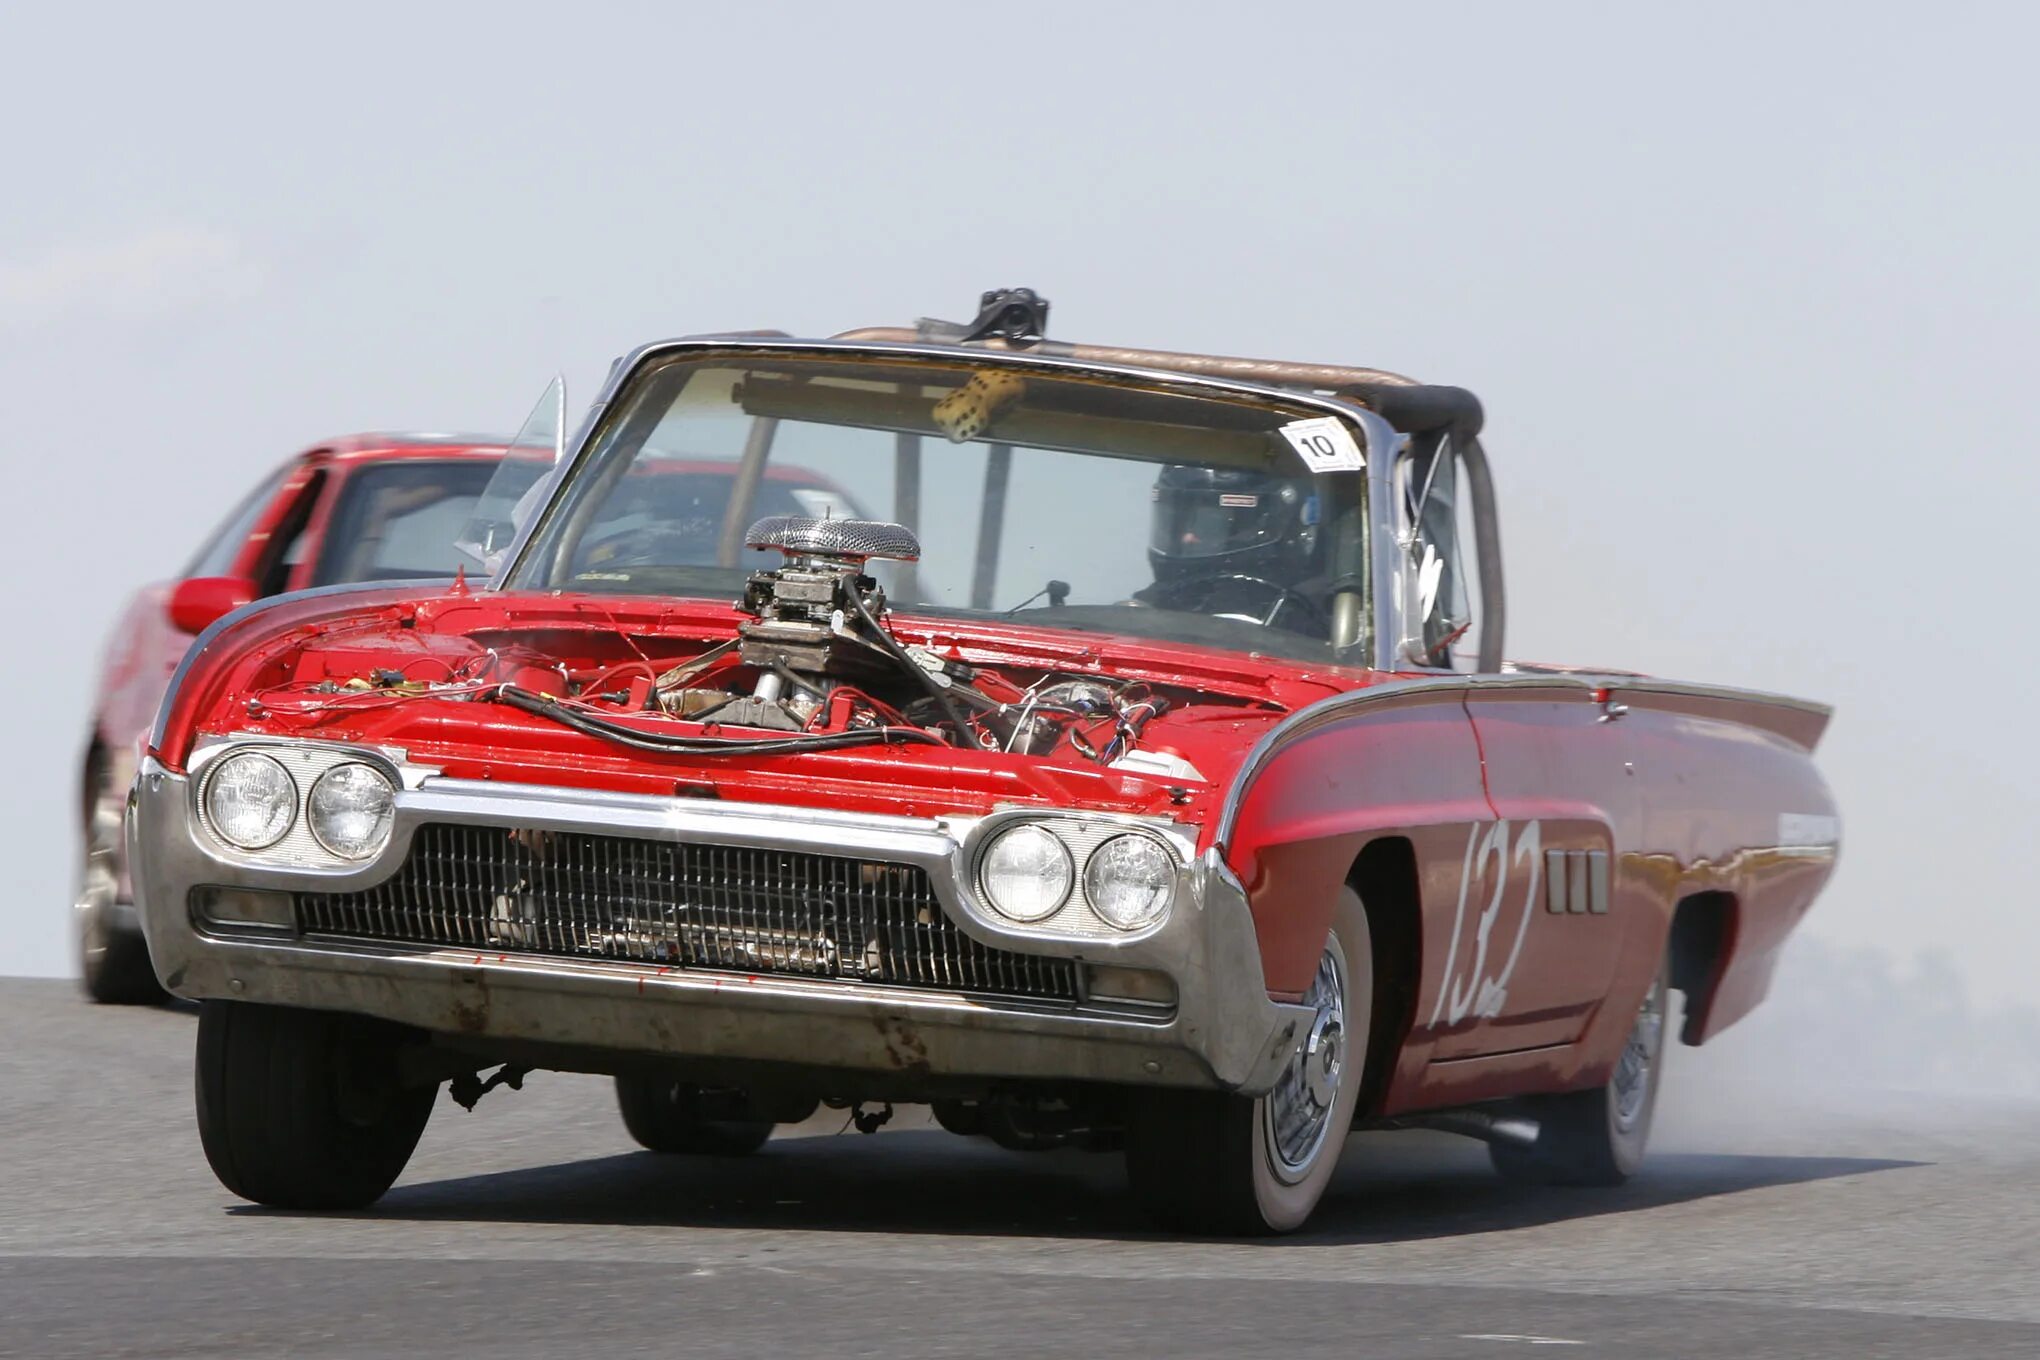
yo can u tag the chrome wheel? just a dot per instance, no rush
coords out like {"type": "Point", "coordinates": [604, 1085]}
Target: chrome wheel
{"type": "Point", "coordinates": [113, 959]}
{"type": "Point", "coordinates": [98, 879]}
{"type": "Point", "coordinates": [1299, 1108]}
{"type": "Point", "coordinates": [1218, 1161]}
{"type": "Point", "coordinates": [94, 897]}
{"type": "Point", "coordinates": [1597, 1136]}
{"type": "Point", "coordinates": [1637, 1068]}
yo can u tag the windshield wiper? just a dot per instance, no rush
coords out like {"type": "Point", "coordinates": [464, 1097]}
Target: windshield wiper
{"type": "Point", "coordinates": [1057, 592]}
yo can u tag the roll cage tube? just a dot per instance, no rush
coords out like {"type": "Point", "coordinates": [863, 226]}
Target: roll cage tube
{"type": "Point", "coordinates": [744, 489]}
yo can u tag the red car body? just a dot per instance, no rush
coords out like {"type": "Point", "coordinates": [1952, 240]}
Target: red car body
{"type": "Point", "coordinates": [1532, 855]}
{"type": "Point", "coordinates": [276, 540]}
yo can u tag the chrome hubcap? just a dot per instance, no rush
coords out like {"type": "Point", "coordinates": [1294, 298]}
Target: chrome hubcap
{"type": "Point", "coordinates": [1299, 1108]}
{"type": "Point", "coordinates": [1638, 1066]}
{"type": "Point", "coordinates": [98, 884]}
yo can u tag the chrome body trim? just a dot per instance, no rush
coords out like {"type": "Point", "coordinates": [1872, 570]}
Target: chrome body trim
{"type": "Point", "coordinates": [1223, 1033]}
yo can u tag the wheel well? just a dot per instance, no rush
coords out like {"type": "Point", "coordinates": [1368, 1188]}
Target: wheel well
{"type": "Point", "coordinates": [1703, 926]}
{"type": "Point", "coordinates": [1385, 876]}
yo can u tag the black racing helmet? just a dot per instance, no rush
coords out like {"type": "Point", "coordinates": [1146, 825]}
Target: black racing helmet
{"type": "Point", "coordinates": [1232, 521]}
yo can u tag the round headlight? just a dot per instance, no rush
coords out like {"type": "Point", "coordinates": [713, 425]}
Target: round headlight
{"type": "Point", "coordinates": [250, 800]}
{"type": "Point", "coordinates": [1026, 873]}
{"type": "Point", "coordinates": [1129, 880]}
{"type": "Point", "coordinates": [350, 809]}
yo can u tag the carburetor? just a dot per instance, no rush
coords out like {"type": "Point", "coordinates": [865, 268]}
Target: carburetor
{"type": "Point", "coordinates": [805, 615]}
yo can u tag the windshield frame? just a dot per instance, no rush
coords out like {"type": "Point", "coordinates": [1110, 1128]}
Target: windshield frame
{"type": "Point", "coordinates": [1379, 442]}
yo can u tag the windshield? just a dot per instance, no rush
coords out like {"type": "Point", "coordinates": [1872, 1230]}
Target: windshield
{"type": "Point", "coordinates": [1063, 500]}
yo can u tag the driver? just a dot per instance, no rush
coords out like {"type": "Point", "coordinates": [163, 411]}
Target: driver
{"type": "Point", "coordinates": [1238, 544]}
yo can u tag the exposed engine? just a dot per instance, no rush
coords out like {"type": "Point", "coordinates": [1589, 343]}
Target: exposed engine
{"type": "Point", "coordinates": [813, 625]}
{"type": "Point", "coordinates": [815, 665]}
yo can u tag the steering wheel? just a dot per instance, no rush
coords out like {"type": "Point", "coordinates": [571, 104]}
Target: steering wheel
{"type": "Point", "coordinates": [1174, 594]}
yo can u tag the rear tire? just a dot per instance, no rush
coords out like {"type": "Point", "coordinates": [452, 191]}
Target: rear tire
{"type": "Point", "coordinates": [675, 1118]}
{"type": "Point", "coordinates": [1596, 1137]}
{"type": "Point", "coordinates": [1213, 1162]}
{"type": "Point", "coordinates": [303, 1109]}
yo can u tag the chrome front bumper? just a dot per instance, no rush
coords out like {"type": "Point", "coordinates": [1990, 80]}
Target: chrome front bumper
{"type": "Point", "coordinates": [1223, 1031]}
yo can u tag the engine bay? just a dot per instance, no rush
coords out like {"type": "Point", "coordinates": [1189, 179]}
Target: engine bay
{"type": "Point", "coordinates": [824, 663]}
{"type": "Point", "coordinates": [815, 665]}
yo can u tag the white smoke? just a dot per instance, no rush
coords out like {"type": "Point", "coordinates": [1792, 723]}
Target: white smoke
{"type": "Point", "coordinates": [1868, 1021]}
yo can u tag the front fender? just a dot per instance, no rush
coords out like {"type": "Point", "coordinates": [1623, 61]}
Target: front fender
{"type": "Point", "coordinates": [1395, 759]}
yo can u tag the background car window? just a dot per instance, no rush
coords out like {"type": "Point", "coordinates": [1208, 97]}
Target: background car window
{"type": "Point", "coordinates": [216, 557]}
{"type": "Point", "coordinates": [396, 521]}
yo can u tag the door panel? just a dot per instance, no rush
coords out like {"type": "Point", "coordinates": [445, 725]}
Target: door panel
{"type": "Point", "coordinates": [1539, 912]}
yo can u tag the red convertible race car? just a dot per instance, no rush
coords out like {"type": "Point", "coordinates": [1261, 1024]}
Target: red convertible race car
{"type": "Point", "coordinates": [1148, 778]}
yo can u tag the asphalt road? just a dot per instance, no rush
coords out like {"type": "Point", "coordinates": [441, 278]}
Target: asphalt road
{"type": "Point", "coordinates": [1769, 1224]}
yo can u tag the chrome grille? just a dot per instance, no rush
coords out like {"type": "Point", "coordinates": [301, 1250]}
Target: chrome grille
{"type": "Point", "coordinates": [730, 908]}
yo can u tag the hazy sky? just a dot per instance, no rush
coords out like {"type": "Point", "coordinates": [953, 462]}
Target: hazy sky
{"type": "Point", "coordinates": [1750, 294]}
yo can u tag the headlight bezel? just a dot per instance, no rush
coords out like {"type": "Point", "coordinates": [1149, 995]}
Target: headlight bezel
{"type": "Point", "coordinates": [1077, 920]}
{"type": "Point", "coordinates": [305, 761]}
{"type": "Point", "coordinates": [375, 845]}
{"type": "Point", "coordinates": [218, 768]}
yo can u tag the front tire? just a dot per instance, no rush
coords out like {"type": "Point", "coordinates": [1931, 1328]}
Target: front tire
{"type": "Point", "coordinates": [1213, 1162]}
{"type": "Point", "coordinates": [304, 1109]}
{"type": "Point", "coordinates": [1597, 1137]}
{"type": "Point", "coordinates": [673, 1117]}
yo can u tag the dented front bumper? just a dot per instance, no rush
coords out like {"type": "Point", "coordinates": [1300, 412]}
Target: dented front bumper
{"type": "Point", "coordinates": [1222, 1031]}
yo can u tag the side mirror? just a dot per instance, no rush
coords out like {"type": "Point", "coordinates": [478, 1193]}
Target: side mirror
{"type": "Point", "coordinates": [198, 603]}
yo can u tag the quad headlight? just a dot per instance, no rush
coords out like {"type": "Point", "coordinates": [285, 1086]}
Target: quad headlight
{"type": "Point", "coordinates": [350, 809]}
{"type": "Point", "coordinates": [1128, 880]}
{"type": "Point", "coordinates": [250, 800]}
{"type": "Point", "coordinates": [1026, 872]}
{"type": "Point", "coordinates": [1077, 876]}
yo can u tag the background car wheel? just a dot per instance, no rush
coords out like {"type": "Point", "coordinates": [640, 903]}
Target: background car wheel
{"type": "Point", "coordinates": [1597, 1137]}
{"type": "Point", "coordinates": [1210, 1162]}
{"type": "Point", "coordinates": [304, 1109]}
{"type": "Point", "coordinates": [113, 961]}
{"type": "Point", "coordinates": [670, 1116]}
{"type": "Point", "coordinates": [113, 964]}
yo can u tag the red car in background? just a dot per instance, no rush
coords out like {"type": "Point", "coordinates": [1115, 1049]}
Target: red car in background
{"type": "Point", "coordinates": [374, 507]}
